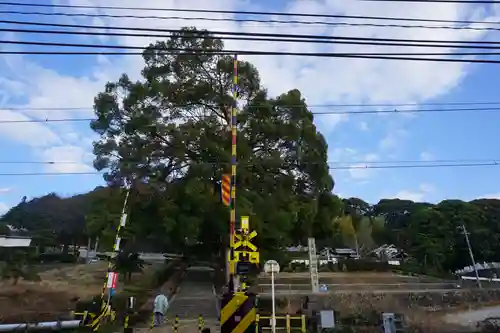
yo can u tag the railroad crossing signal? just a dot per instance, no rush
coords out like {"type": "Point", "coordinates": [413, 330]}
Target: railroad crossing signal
{"type": "Point", "coordinates": [244, 254]}
{"type": "Point", "coordinates": [238, 309]}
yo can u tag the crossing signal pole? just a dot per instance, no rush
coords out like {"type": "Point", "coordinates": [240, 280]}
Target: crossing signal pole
{"type": "Point", "coordinates": [232, 218]}
{"type": "Point", "coordinates": [238, 306]}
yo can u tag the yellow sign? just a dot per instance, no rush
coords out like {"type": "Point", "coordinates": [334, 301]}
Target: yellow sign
{"type": "Point", "coordinates": [243, 250]}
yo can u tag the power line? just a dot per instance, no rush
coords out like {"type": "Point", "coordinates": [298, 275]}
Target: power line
{"type": "Point", "coordinates": [410, 111]}
{"type": "Point", "coordinates": [410, 166]}
{"type": "Point", "coordinates": [376, 55]}
{"type": "Point", "coordinates": [316, 55]}
{"type": "Point", "coordinates": [285, 40]}
{"type": "Point", "coordinates": [350, 163]}
{"type": "Point", "coordinates": [318, 113]}
{"type": "Point", "coordinates": [240, 12]}
{"type": "Point", "coordinates": [267, 21]}
{"type": "Point", "coordinates": [45, 120]}
{"type": "Point", "coordinates": [204, 34]}
{"type": "Point", "coordinates": [328, 105]}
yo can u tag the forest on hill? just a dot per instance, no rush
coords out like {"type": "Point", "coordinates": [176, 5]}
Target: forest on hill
{"type": "Point", "coordinates": [168, 136]}
{"type": "Point", "coordinates": [189, 217]}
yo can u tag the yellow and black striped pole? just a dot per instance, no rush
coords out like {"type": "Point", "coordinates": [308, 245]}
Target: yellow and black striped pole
{"type": "Point", "coordinates": [201, 323]}
{"type": "Point", "coordinates": [234, 114]}
{"type": "Point", "coordinates": [176, 324]}
{"type": "Point", "coordinates": [116, 249]}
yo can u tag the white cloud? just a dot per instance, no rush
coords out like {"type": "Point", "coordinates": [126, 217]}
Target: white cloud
{"type": "Point", "coordinates": [77, 159]}
{"type": "Point", "coordinates": [360, 172]}
{"type": "Point", "coordinates": [426, 156]}
{"type": "Point", "coordinates": [344, 157]}
{"type": "Point", "coordinates": [321, 80]}
{"type": "Point", "coordinates": [30, 134]}
{"type": "Point", "coordinates": [363, 126]}
{"type": "Point", "coordinates": [491, 196]}
{"type": "Point", "coordinates": [421, 194]}
{"type": "Point", "coordinates": [3, 208]}
{"type": "Point", "coordinates": [393, 139]}
{"type": "Point", "coordinates": [371, 157]}
{"type": "Point", "coordinates": [5, 190]}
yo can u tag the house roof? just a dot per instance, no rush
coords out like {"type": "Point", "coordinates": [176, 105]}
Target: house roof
{"type": "Point", "coordinates": [14, 241]}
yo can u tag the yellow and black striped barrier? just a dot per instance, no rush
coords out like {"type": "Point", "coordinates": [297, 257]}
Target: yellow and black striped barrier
{"type": "Point", "coordinates": [201, 323]}
{"type": "Point", "coordinates": [286, 323]}
{"type": "Point", "coordinates": [238, 313]}
{"type": "Point", "coordinates": [95, 320]}
{"type": "Point", "coordinates": [176, 324]}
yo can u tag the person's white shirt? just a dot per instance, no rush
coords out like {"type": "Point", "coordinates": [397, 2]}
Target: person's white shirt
{"type": "Point", "coordinates": [161, 304]}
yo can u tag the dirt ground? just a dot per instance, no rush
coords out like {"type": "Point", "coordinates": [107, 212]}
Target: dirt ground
{"type": "Point", "coordinates": [55, 295]}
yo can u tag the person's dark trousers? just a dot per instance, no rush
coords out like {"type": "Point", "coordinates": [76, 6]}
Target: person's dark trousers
{"type": "Point", "coordinates": [159, 317]}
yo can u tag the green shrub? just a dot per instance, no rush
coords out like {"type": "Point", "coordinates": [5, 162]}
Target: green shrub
{"type": "Point", "coordinates": [361, 265]}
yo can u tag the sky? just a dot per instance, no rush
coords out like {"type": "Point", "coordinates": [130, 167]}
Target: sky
{"type": "Point", "coordinates": [28, 82]}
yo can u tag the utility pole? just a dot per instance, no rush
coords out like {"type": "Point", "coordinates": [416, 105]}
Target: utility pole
{"type": "Point", "coordinates": [466, 234]}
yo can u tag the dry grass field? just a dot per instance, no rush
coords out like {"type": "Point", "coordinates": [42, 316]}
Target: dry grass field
{"type": "Point", "coordinates": [56, 294]}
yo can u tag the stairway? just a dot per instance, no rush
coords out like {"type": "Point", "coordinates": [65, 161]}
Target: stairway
{"type": "Point", "coordinates": [195, 297]}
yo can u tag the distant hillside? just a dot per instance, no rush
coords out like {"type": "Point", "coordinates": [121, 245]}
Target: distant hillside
{"type": "Point", "coordinates": [51, 212]}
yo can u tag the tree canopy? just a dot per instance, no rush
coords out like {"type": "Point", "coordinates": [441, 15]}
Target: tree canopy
{"type": "Point", "coordinates": [169, 135]}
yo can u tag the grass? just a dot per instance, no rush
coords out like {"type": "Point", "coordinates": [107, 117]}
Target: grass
{"type": "Point", "coordinates": [55, 296]}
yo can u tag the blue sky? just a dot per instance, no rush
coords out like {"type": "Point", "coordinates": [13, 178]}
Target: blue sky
{"type": "Point", "coordinates": [28, 82]}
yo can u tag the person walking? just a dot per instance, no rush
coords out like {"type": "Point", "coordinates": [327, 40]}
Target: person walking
{"type": "Point", "coordinates": [160, 308]}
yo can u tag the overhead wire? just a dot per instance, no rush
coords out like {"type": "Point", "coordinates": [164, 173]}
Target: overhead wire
{"type": "Point", "coordinates": [326, 105]}
{"type": "Point", "coordinates": [266, 21]}
{"type": "Point", "coordinates": [409, 166]}
{"type": "Point", "coordinates": [353, 163]}
{"type": "Point", "coordinates": [250, 52]}
{"type": "Point", "coordinates": [318, 113]}
{"type": "Point", "coordinates": [354, 40]}
{"type": "Point", "coordinates": [203, 34]}
{"type": "Point", "coordinates": [263, 53]}
{"type": "Point", "coordinates": [242, 12]}
{"type": "Point", "coordinates": [385, 56]}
